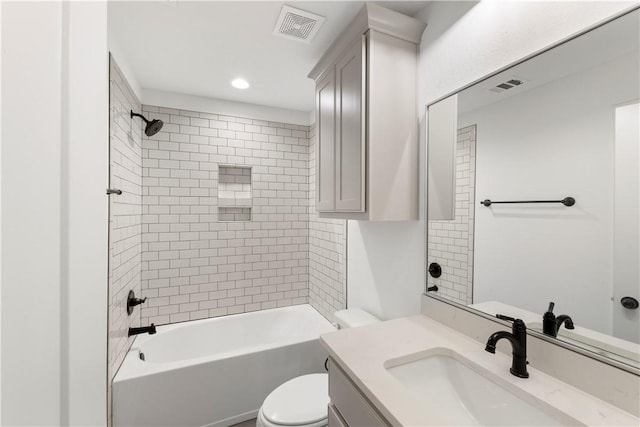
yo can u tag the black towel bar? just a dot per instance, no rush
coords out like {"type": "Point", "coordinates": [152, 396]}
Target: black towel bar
{"type": "Point", "coordinates": [567, 201]}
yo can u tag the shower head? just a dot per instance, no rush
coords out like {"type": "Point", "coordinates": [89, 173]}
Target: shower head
{"type": "Point", "coordinates": [152, 127]}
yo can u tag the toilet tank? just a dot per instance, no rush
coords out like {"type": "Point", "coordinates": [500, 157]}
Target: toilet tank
{"type": "Point", "coordinates": [352, 318]}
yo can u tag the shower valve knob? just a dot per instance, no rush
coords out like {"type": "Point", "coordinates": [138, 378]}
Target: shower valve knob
{"type": "Point", "coordinates": [435, 270]}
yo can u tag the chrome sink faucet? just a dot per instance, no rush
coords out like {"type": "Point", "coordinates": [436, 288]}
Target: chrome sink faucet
{"type": "Point", "coordinates": [518, 339]}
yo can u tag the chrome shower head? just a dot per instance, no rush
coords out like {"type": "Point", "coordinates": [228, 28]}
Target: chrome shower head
{"type": "Point", "coordinates": [152, 127]}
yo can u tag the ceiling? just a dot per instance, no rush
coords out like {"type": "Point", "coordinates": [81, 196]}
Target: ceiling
{"type": "Point", "coordinates": [197, 48]}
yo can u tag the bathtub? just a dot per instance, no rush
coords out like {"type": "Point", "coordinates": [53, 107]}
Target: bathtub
{"type": "Point", "coordinates": [216, 372]}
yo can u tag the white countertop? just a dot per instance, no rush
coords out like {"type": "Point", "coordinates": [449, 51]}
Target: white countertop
{"type": "Point", "coordinates": [362, 352]}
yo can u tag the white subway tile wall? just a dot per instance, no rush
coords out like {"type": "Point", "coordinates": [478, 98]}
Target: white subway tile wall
{"type": "Point", "coordinates": [451, 242]}
{"type": "Point", "coordinates": [208, 249]}
{"type": "Point", "coordinates": [327, 252]}
{"type": "Point", "coordinates": [125, 214]}
{"type": "Point", "coordinates": [234, 214]}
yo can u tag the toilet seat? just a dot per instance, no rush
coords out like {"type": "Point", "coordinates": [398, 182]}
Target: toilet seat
{"type": "Point", "coordinates": [261, 421]}
{"type": "Point", "coordinates": [301, 401]}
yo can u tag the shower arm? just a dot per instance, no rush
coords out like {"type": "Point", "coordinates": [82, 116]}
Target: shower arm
{"type": "Point", "coordinates": [139, 115]}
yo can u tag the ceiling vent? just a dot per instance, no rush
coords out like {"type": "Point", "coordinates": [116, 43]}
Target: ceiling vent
{"type": "Point", "coordinates": [506, 85]}
{"type": "Point", "coordinates": [296, 24]}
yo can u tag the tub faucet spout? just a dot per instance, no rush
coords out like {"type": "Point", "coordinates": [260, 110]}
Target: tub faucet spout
{"type": "Point", "coordinates": [143, 330]}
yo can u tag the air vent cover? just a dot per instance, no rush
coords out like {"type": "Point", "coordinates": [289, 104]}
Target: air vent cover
{"type": "Point", "coordinates": [296, 24]}
{"type": "Point", "coordinates": [506, 85]}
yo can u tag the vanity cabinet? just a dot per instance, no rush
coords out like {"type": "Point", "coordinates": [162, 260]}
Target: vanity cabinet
{"type": "Point", "coordinates": [348, 407]}
{"type": "Point", "coordinates": [366, 120]}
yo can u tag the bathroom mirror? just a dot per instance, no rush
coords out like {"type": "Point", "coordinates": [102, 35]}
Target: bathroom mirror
{"type": "Point", "coordinates": [540, 164]}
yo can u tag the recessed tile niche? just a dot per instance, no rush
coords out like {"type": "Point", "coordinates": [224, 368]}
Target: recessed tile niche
{"type": "Point", "coordinates": [234, 193]}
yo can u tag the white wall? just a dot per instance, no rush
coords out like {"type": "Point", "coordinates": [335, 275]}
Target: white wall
{"type": "Point", "coordinates": [119, 57]}
{"type": "Point", "coordinates": [385, 264]}
{"type": "Point", "coordinates": [463, 42]}
{"type": "Point", "coordinates": [553, 141]}
{"type": "Point", "coordinates": [31, 213]}
{"type": "Point", "coordinates": [224, 107]}
{"type": "Point", "coordinates": [84, 225]}
{"type": "Point", "coordinates": [0, 226]}
{"type": "Point", "coordinates": [54, 152]}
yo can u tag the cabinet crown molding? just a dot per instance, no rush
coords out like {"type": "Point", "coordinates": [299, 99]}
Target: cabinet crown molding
{"type": "Point", "coordinates": [371, 17]}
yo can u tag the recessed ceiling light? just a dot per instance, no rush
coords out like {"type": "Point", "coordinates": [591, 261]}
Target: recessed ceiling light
{"type": "Point", "coordinates": [240, 84]}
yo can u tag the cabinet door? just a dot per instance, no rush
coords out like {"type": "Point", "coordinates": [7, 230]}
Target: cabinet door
{"type": "Point", "coordinates": [325, 142]}
{"type": "Point", "coordinates": [350, 129]}
{"type": "Point", "coordinates": [353, 407]}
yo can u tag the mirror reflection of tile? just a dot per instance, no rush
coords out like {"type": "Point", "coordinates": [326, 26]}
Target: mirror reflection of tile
{"type": "Point", "coordinates": [451, 241]}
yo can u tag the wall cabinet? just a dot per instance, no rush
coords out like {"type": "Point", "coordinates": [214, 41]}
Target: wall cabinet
{"type": "Point", "coordinates": [366, 120]}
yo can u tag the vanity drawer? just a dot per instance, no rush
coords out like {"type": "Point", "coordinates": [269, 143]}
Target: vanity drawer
{"type": "Point", "coordinates": [353, 409]}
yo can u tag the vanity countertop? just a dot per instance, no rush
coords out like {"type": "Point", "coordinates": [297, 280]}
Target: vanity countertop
{"type": "Point", "coordinates": [362, 353]}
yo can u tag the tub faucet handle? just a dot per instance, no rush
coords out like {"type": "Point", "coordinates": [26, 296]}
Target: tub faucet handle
{"type": "Point", "coordinates": [132, 301]}
{"type": "Point", "coordinates": [138, 301]}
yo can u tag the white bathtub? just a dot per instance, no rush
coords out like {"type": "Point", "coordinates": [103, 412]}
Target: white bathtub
{"type": "Point", "coordinates": [216, 372]}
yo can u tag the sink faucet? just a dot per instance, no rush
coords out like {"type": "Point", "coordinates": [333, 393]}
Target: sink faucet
{"type": "Point", "coordinates": [552, 324]}
{"type": "Point", "coordinates": [518, 339]}
{"type": "Point", "coordinates": [143, 330]}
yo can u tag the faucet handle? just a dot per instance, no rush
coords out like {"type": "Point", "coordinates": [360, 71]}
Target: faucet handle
{"type": "Point", "coordinates": [518, 324]}
{"type": "Point", "coordinates": [503, 317]}
{"type": "Point", "coordinates": [132, 301]}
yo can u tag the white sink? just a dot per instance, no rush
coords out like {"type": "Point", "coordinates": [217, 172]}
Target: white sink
{"type": "Point", "coordinates": [451, 383]}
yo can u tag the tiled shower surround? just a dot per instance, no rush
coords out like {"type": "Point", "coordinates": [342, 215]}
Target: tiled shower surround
{"type": "Point", "coordinates": [226, 219]}
{"type": "Point", "coordinates": [216, 216]}
{"type": "Point", "coordinates": [125, 214]}
{"type": "Point", "coordinates": [451, 242]}
{"type": "Point", "coordinates": [327, 251]}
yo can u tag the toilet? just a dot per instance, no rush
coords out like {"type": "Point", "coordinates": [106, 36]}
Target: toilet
{"type": "Point", "coordinates": [302, 401]}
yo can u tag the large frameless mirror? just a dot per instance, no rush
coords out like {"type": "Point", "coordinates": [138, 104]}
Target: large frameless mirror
{"type": "Point", "coordinates": [534, 193]}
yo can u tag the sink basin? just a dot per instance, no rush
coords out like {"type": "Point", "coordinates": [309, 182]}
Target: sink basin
{"type": "Point", "coordinates": [453, 384]}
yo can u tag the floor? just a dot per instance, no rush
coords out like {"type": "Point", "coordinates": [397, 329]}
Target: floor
{"type": "Point", "coordinates": [248, 423]}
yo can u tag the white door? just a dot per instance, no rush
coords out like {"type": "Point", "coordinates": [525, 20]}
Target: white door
{"type": "Point", "coordinates": [626, 271]}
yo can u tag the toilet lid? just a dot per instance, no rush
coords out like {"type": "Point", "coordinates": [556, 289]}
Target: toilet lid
{"type": "Point", "coordinates": [302, 400]}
